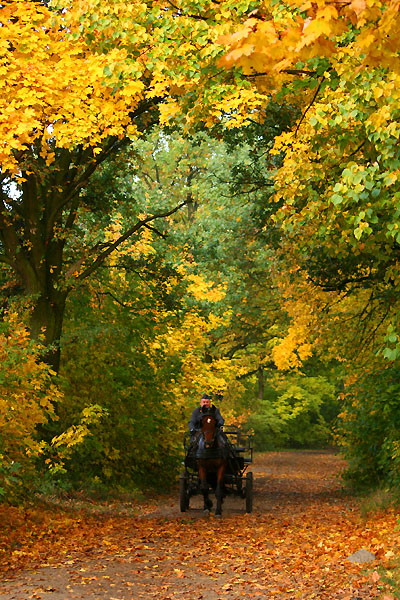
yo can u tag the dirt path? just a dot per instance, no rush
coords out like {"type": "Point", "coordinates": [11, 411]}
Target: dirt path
{"type": "Point", "coordinates": [293, 545]}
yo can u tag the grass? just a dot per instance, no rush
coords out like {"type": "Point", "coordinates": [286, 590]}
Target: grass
{"type": "Point", "coordinates": [378, 500]}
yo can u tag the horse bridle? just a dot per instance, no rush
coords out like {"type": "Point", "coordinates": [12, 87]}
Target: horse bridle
{"type": "Point", "coordinates": [211, 443]}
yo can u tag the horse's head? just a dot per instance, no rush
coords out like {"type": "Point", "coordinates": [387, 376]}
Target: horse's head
{"type": "Point", "coordinates": [209, 430]}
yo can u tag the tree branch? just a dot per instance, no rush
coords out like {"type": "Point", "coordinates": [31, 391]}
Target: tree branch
{"type": "Point", "coordinates": [287, 71]}
{"type": "Point", "coordinates": [159, 233]}
{"type": "Point", "coordinates": [350, 155]}
{"type": "Point", "coordinates": [142, 223]}
{"type": "Point", "coordinates": [112, 146]}
{"type": "Point", "coordinates": [310, 105]}
{"type": "Point", "coordinates": [108, 293]}
{"type": "Point", "coordinates": [269, 366]}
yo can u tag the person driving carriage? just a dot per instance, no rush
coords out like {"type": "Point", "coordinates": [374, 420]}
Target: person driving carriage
{"type": "Point", "coordinates": [199, 412]}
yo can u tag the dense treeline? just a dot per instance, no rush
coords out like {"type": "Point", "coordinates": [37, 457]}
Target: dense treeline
{"type": "Point", "coordinates": [178, 216]}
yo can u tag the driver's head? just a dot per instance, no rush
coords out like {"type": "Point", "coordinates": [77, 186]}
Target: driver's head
{"type": "Point", "coordinates": [205, 401]}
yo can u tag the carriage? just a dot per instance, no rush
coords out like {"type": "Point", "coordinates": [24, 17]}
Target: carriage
{"type": "Point", "coordinates": [237, 479]}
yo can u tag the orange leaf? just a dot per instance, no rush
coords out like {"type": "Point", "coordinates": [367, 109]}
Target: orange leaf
{"type": "Point", "coordinates": [375, 576]}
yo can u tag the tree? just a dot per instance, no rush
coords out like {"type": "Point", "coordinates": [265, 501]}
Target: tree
{"type": "Point", "coordinates": [337, 186]}
{"type": "Point", "coordinates": [135, 333]}
{"type": "Point", "coordinates": [294, 412]}
{"type": "Point", "coordinates": [337, 191]}
{"type": "Point", "coordinates": [228, 240]}
{"type": "Point", "coordinates": [77, 86]}
{"type": "Point", "coordinates": [218, 239]}
{"type": "Point", "coordinates": [368, 427]}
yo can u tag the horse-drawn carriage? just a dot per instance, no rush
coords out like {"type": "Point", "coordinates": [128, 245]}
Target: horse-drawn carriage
{"type": "Point", "coordinates": [221, 466]}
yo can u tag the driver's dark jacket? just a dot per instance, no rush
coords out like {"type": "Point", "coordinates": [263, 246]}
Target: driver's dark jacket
{"type": "Point", "coordinates": [197, 415]}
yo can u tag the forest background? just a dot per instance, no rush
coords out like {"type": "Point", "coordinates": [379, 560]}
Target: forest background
{"type": "Point", "coordinates": [196, 196]}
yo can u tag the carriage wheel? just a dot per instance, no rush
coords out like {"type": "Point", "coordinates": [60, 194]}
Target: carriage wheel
{"type": "Point", "coordinates": [183, 492]}
{"type": "Point", "coordinates": [249, 492]}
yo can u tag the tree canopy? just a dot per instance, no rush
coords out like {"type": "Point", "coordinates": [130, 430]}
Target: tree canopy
{"type": "Point", "coordinates": [259, 259]}
{"type": "Point", "coordinates": [77, 86]}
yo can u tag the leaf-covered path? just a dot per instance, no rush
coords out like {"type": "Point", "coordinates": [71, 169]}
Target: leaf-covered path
{"type": "Point", "coordinates": [293, 545]}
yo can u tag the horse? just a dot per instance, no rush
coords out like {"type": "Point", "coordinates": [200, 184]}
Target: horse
{"type": "Point", "coordinates": [211, 460]}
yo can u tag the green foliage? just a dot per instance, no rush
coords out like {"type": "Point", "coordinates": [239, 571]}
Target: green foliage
{"type": "Point", "coordinates": [11, 480]}
{"type": "Point", "coordinates": [131, 444]}
{"type": "Point", "coordinates": [115, 380]}
{"type": "Point", "coordinates": [137, 337]}
{"type": "Point", "coordinates": [369, 427]}
{"type": "Point", "coordinates": [292, 413]}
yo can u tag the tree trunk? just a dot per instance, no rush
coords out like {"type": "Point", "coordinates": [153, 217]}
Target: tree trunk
{"type": "Point", "coordinates": [32, 246]}
{"type": "Point", "coordinates": [260, 379]}
{"type": "Point", "coordinates": [37, 223]}
{"type": "Point", "coordinates": [46, 325]}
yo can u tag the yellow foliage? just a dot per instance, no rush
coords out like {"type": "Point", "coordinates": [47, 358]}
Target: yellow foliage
{"type": "Point", "coordinates": [204, 290]}
{"type": "Point", "coordinates": [27, 395]}
{"type": "Point", "coordinates": [52, 88]}
{"type": "Point", "coordinates": [140, 246]}
{"type": "Point", "coordinates": [295, 31]}
{"type": "Point", "coordinates": [75, 75]}
{"type": "Point", "coordinates": [293, 350]}
{"type": "Point", "coordinates": [76, 434]}
{"type": "Point", "coordinates": [189, 344]}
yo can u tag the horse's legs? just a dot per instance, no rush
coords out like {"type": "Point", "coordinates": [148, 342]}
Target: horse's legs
{"type": "Point", "coordinates": [204, 489]}
{"type": "Point", "coordinates": [219, 490]}
{"type": "Point", "coordinates": [207, 500]}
